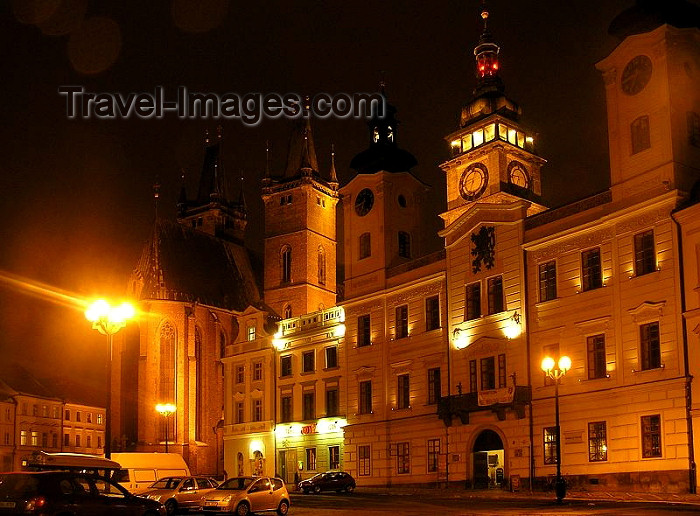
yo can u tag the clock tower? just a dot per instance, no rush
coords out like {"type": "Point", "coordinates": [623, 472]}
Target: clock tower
{"type": "Point", "coordinates": [493, 155]}
{"type": "Point", "coordinates": [382, 209]}
{"type": "Point", "coordinates": [652, 87]}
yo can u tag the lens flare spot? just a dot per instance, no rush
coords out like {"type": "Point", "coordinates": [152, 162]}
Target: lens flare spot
{"type": "Point", "coordinates": [95, 46]}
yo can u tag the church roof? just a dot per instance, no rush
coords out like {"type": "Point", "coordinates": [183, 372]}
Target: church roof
{"type": "Point", "coordinates": [647, 15]}
{"type": "Point", "coordinates": [182, 264]}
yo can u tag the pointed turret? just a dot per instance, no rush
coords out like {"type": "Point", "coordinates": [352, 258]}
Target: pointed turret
{"type": "Point", "coordinates": [383, 152]}
{"type": "Point", "coordinates": [332, 172]}
{"type": "Point", "coordinates": [301, 159]}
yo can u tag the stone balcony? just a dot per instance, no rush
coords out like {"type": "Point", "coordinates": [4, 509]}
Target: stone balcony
{"type": "Point", "coordinates": [498, 401]}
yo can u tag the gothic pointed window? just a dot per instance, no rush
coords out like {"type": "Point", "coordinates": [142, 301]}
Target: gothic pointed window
{"type": "Point", "coordinates": [288, 311]}
{"type": "Point", "coordinates": [286, 264]}
{"type": "Point", "coordinates": [404, 244]}
{"type": "Point", "coordinates": [199, 398]}
{"type": "Point", "coordinates": [166, 379]}
{"type": "Point", "coordinates": [321, 266]}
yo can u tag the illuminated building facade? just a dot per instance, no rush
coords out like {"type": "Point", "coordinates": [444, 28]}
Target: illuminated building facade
{"type": "Point", "coordinates": [427, 371]}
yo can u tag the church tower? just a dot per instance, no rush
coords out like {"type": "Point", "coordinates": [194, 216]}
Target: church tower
{"type": "Point", "coordinates": [493, 156]}
{"type": "Point", "coordinates": [300, 230]}
{"type": "Point", "coordinates": [212, 211]}
{"type": "Point", "coordinates": [652, 86]}
{"type": "Point", "coordinates": [382, 208]}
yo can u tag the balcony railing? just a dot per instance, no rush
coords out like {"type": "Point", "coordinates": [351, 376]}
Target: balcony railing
{"type": "Point", "coordinates": [498, 401]}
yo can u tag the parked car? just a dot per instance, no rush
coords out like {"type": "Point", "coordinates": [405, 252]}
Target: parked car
{"type": "Point", "coordinates": [243, 495]}
{"type": "Point", "coordinates": [52, 493]}
{"type": "Point", "coordinates": [179, 492]}
{"type": "Point", "coordinates": [329, 481]}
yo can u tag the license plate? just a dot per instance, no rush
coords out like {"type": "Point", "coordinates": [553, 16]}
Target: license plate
{"type": "Point", "coordinates": [208, 504]}
{"type": "Point", "coordinates": [7, 505]}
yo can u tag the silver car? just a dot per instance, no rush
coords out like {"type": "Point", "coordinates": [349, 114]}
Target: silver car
{"type": "Point", "coordinates": [244, 495]}
{"type": "Point", "coordinates": [179, 492]}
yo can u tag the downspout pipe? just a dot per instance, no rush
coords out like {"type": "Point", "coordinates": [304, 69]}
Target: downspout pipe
{"type": "Point", "coordinates": [529, 371]}
{"type": "Point", "coordinates": [692, 471]}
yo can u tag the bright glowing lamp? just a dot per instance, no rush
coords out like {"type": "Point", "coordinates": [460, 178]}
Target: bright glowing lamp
{"type": "Point", "coordinates": [547, 364]}
{"type": "Point", "coordinates": [564, 364]}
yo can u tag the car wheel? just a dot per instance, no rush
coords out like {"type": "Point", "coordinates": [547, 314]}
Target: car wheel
{"type": "Point", "coordinates": [283, 509]}
{"type": "Point", "coordinates": [317, 489]}
{"type": "Point", "coordinates": [349, 489]}
{"type": "Point", "coordinates": [243, 509]}
{"type": "Point", "coordinates": [170, 507]}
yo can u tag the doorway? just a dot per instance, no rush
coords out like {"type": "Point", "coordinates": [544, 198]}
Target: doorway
{"type": "Point", "coordinates": [489, 460]}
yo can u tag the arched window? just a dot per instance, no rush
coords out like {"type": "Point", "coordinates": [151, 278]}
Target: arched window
{"type": "Point", "coordinates": [286, 264]}
{"type": "Point", "coordinates": [288, 311]}
{"type": "Point", "coordinates": [199, 398]}
{"type": "Point", "coordinates": [640, 134]}
{"type": "Point", "coordinates": [166, 380]}
{"type": "Point", "coordinates": [321, 265]}
{"type": "Point", "coordinates": [365, 246]}
{"type": "Point", "coordinates": [404, 244]}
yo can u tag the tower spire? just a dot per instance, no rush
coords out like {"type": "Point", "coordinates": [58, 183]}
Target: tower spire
{"type": "Point", "coordinates": [332, 173]}
{"type": "Point", "coordinates": [487, 65]}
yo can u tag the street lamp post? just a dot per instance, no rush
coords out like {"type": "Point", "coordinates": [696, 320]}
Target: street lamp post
{"type": "Point", "coordinates": [556, 373]}
{"type": "Point", "coordinates": [165, 410]}
{"type": "Point", "coordinates": [108, 320]}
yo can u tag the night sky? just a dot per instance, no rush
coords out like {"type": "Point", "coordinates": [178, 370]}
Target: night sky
{"type": "Point", "coordinates": [76, 199]}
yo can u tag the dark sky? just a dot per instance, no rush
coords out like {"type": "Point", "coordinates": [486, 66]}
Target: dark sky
{"type": "Point", "coordinates": [76, 196]}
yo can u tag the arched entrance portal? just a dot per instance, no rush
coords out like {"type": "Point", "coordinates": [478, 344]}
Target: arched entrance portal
{"type": "Point", "coordinates": [489, 460]}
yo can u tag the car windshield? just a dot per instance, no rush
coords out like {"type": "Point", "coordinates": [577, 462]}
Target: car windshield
{"type": "Point", "coordinates": [18, 485]}
{"type": "Point", "coordinates": [236, 484]}
{"type": "Point", "coordinates": [166, 483]}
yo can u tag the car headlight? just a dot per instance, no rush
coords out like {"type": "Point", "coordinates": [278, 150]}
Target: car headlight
{"type": "Point", "coordinates": [155, 497]}
{"type": "Point", "coordinates": [226, 499]}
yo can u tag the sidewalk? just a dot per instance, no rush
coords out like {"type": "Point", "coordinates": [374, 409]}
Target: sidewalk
{"type": "Point", "coordinates": [452, 492]}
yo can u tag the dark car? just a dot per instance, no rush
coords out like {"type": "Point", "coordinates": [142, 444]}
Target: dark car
{"type": "Point", "coordinates": [329, 481]}
{"type": "Point", "coordinates": [51, 493]}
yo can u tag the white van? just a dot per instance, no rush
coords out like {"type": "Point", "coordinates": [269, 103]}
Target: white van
{"type": "Point", "coordinates": [140, 470]}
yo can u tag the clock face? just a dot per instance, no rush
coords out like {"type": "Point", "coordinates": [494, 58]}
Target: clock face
{"type": "Point", "coordinates": [518, 175]}
{"type": "Point", "coordinates": [364, 202]}
{"type": "Point", "coordinates": [473, 181]}
{"type": "Point", "coordinates": [636, 75]}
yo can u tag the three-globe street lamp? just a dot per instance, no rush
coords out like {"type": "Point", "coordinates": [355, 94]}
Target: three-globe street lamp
{"type": "Point", "coordinates": [555, 372]}
{"type": "Point", "coordinates": [108, 320]}
{"type": "Point", "coordinates": [166, 410]}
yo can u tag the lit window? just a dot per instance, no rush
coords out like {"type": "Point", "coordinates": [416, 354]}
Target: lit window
{"type": "Point", "coordinates": [490, 132]}
{"type": "Point", "coordinates": [251, 331]}
{"type": "Point", "coordinates": [23, 438]}
{"type": "Point", "coordinates": [591, 269]}
{"type": "Point", "coordinates": [311, 459]}
{"type": "Point", "coordinates": [512, 136]}
{"type": "Point", "coordinates": [597, 442]}
{"type": "Point", "coordinates": [651, 436]}
{"type": "Point", "coordinates": [596, 357]}
{"type": "Point", "coordinates": [478, 137]}
{"type": "Point", "coordinates": [550, 445]}
{"type": "Point", "coordinates": [644, 255]}
{"type": "Point", "coordinates": [44, 411]}
{"type": "Point", "coordinates": [650, 346]}
{"type": "Point", "coordinates": [503, 132]}
{"type": "Point", "coordinates": [521, 139]}
{"type": "Point", "coordinates": [466, 142]}
{"type": "Point", "coordinates": [334, 457]}
{"type": "Point", "coordinates": [99, 419]}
